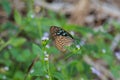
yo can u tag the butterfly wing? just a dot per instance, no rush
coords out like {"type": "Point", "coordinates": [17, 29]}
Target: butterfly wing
{"type": "Point", "coordinates": [61, 42]}
{"type": "Point", "coordinates": [61, 38]}
{"type": "Point", "coordinates": [53, 31]}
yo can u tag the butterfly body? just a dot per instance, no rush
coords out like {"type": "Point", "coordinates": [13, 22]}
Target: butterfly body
{"type": "Point", "coordinates": [61, 38]}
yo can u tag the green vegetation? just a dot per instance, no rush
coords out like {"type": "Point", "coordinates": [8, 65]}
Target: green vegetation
{"type": "Point", "coordinates": [24, 53]}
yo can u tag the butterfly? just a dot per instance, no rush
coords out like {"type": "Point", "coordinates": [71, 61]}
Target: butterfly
{"type": "Point", "coordinates": [61, 38]}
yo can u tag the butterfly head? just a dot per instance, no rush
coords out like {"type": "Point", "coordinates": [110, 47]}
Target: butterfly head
{"type": "Point", "coordinates": [57, 31]}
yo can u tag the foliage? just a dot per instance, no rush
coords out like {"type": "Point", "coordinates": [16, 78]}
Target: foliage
{"type": "Point", "coordinates": [23, 43]}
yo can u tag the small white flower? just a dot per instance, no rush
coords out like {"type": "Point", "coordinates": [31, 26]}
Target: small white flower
{"type": "Point", "coordinates": [47, 76]}
{"type": "Point", "coordinates": [46, 59]}
{"type": "Point", "coordinates": [6, 68]}
{"type": "Point", "coordinates": [32, 16]}
{"type": "Point", "coordinates": [78, 46]}
{"type": "Point", "coordinates": [47, 46]}
{"type": "Point", "coordinates": [45, 36]}
{"type": "Point", "coordinates": [32, 70]}
{"type": "Point", "coordinates": [103, 50]}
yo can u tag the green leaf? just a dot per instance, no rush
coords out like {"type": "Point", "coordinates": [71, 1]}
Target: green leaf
{"type": "Point", "coordinates": [39, 69]}
{"type": "Point", "coordinates": [16, 42]}
{"type": "Point", "coordinates": [17, 17]}
{"type": "Point", "coordinates": [37, 50]}
{"type": "Point", "coordinates": [18, 75]}
{"type": "Point", "coordinates": [6, 6]}
{"type": "Point", "coordinates": [58, 76]}
{"type": "Point", "coordinates": [24, 56]}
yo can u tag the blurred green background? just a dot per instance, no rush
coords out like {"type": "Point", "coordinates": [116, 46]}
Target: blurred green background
{"type": "Point", "coordinates": [27, 51]}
